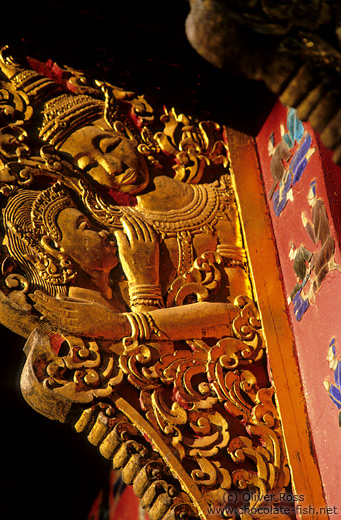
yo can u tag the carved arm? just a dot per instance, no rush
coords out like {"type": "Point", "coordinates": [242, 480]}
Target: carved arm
{"type": "Point", "coordinates": [90, 319]}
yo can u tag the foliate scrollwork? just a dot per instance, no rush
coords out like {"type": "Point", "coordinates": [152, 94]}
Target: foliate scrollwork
{"type": "Point", "coordinates": [134, 266]}
{"type": "Point", "coordinates": [20, 169]}
{"type": "Point", "coordinates": [12, 142]}
{"type": "Point", "coordinates": [84, 373]}
{"type": "Point", "coordinates": [224, 359]}
{"type": "Point", "coordinates": [15, 106]}
{"type": "Point", "coordinates": [19, 287]}
{"type": "Point", "coordinates": [196, 149]}
{"type": "Point", "coordinates": [180, 396]}
{"type": "Point", "coordinates": [181, 393]}
{"type": "Point", "coordinates": [140, 362]}
{"type": "Point", "coordinates": [203, 277]}
{"type": "Point", "coordinates": [247, 324]}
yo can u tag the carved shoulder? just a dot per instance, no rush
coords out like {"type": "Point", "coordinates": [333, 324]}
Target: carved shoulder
{"type": "Point", "coordinates": [168, 194]}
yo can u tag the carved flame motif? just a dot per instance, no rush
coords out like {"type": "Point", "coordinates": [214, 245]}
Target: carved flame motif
{"type": "Point", "coordinates": [197, 148]}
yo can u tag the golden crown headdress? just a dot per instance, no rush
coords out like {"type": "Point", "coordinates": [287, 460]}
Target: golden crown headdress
{"type": "Point", "coordinates": [62, 110]}
{"type": "Point", "coordinates": [65, 113]}
{"type": "Point", "coordinates": [30, 220]}
{"type": "Point", "coordinates": [48, 204]}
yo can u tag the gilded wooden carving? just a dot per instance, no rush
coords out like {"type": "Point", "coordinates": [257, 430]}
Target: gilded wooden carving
{"type": "Point", "coordinates": [123, 263]}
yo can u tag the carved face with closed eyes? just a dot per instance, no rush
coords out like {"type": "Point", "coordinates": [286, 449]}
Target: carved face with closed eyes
{"type": "Point", "coordinates": [88, 246]}
{"type": "Point", "coordinates": [109, 156]}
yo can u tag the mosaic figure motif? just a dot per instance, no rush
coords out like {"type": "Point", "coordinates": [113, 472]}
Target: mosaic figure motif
{"type": "Point", "coordinates": [301, 264]}
{"type": "Point", "coordinates": [289, 160]}
{"type": "Point", "coordinates": [334, 387]}
{"type": "Point", "coordinates": [311, 268]}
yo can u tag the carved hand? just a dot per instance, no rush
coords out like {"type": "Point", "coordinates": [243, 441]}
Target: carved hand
{"type": "Point", "coordinates": [139, 251]}
{"type": "Point", "coordinates": [85, 318]}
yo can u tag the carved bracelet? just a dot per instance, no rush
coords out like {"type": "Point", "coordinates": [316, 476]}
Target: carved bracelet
{"type": "Point", "coordinates": [139, 325]}
{"type": "Point", "coordinates": [145, 294]}
{"type": "Point", "coordinates": [142, 326]}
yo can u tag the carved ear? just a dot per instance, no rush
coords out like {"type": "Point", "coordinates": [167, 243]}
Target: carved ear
{"type": "Point", "coordinates": [52, 247]}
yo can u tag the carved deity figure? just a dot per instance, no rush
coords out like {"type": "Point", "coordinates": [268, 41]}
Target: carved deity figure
{"type": "Point", "coordinates": [59, 248]}
{"type": "Point", "coordinates": [123, 263]}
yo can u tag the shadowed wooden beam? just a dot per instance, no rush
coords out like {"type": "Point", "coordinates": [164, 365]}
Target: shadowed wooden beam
{"type": "Point", "coordinates": [284, 47]}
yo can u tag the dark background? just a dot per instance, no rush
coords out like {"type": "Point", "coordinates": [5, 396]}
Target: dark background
{"type": "Point", "coordinates": [47, 470]}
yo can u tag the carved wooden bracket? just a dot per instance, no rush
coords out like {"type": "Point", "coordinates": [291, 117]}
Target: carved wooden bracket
{"type": "Point", "coordinates": [145, 332]}
{"type": "Point", "coordinates": [188, 428]}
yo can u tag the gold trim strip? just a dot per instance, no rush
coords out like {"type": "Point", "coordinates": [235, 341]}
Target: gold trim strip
{"type": "Point", "coordinates": [259, 242]}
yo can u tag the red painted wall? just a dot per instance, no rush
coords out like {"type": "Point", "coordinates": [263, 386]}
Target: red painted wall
{"type": "Point", "coordinates": [303, 188]}
{"type": "Point", "coordinates": [117, 501]}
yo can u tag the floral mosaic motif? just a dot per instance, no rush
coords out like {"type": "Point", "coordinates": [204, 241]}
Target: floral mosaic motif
{"type": "Point", "coordinates": [310, 267]}
{"type": "Point", "coordinates": [334, 388]}
{"type": "Point", "coordinates": [289, 160]}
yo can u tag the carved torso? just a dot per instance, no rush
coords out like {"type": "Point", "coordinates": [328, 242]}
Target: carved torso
{"type": "Point", "coordinates": [207, 222]}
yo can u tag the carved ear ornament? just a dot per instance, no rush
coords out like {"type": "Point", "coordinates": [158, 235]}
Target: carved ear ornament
{"type": "Point", "coordinates": [46, 207]}
{"type": "Point", "coordinates": [55, 268]}
{"type": "Point", "coordinates": [30, 221]}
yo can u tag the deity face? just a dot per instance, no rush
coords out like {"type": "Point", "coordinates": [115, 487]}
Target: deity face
{"type": "Point", "coordinates": [109, 156]}
{"type": "Point", "coordinates": [89, 247]}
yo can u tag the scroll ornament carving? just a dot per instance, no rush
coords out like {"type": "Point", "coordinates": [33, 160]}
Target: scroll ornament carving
{"type": "Point", "coordinates": [191, 401]}
{"type": "Point", "coordinates": [126, 262]}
